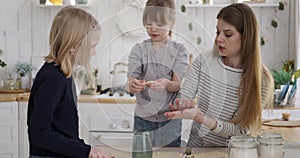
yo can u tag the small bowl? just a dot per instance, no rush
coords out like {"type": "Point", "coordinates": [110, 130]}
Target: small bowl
{"type": "Point", "coordinates": [286, 116]}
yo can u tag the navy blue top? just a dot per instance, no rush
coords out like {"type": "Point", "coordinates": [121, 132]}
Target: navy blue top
{"type": "Point", "coordinates": [53, 117]}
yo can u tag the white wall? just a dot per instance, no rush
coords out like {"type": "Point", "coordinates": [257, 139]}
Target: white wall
{"type": "Point", "coordinates": [27, 24]}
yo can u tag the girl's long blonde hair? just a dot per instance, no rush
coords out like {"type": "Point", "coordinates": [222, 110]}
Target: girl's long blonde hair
{"type": "Point", "coordinates": [250, 99]}
{"type": "Point", "coordinates": [70, 39]}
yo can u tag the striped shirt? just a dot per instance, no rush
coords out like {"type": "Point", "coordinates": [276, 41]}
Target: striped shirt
{"type": "Point", "coordinates": [216, 87]}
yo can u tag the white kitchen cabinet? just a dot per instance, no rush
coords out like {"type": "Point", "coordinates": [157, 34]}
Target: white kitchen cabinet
{"type": "Point", "coordinates": [9, 130]}
{"type": "Point", "coordinates": [106, 123]}
{"type": "Point", "coordinates": [23, 136]}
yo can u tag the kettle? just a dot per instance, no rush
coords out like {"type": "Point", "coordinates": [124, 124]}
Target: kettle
{"type": "Point", "coordinates": [119, 76]}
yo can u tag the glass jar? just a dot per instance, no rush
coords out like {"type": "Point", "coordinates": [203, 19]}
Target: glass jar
{"type": "Point", "coordinates": [270, 145]}
{"type": "Point", "coordinates": [242, 147]}
{"type": "Point", "coordinates": [18, 83]}
{"type": "Point", "coordinates": [142, 146]}
{"type": "Point", "coordinates": [9, 83]}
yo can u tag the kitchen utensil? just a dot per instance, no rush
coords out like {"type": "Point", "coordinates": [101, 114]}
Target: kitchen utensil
{"type": "Point", "coordinates": [282, 123]}
{"type": "Point", "coordinates": [119, 77]}
{"type": "Point", "coordinates": [187, 152]}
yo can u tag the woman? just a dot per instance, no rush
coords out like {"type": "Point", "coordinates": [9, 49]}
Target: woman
{"type": "Point", "coordinates": [231, 84]}
{"type": "Point", "coordinates": [52, 111]}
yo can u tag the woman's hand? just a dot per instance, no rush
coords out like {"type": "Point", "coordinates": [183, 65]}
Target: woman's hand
{"type": "Point", "coordinates": [183, 109]}
{"type": "Point", "coordinates": [98, 153]}
{"type": "Point", "coordinates": [135, 85]}
{"type": "Point", "coordinates": [186, 109]}
{"type": "Point", "coordinates": [190, 114]}
{"type": "Point", "coordinates": [181, 104]}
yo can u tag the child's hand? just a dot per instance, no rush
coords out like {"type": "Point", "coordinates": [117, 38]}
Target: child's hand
{"type": "Point", "coordinates": [149, 83]}
{"type": "Point", "coordinates": [159, 85]}
{"type": "Point", "coordinates": [135, 85]}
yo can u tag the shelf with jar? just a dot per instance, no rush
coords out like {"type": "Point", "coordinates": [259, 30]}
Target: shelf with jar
{"type": "Point", "coordinates": [62, 3]}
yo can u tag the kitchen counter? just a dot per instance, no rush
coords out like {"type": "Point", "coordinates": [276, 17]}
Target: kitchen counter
{"type": "Point", "coordinates": [5, 97]}
{"type": "Point", "coordinates": [99, 99]}
{"type": "Point", "coordinates": [290, 134]}
{"type": "Point", "coordinates": [169, 152]}
{"type": "Point", "coordinates": [8, 97]}
{"type": "Point", "coordinates": [175, 152]}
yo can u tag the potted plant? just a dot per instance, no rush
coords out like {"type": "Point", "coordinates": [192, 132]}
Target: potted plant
{"type": "Point", "coordinates": [24, 70]}
{"type": "Point", "coordinates": [285, 81]}
{"type": "Point", "coordinates": [286, 74]}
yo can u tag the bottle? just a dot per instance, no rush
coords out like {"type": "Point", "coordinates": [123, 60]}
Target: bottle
{"type": "Point", "coordinates": [242, 147]}
{"type": "Point", "coordinates": [142, 146]}
{"type": "Point", "coordinates": [18, 83]}
{"type": "Point", "coordinates": [9, 83]}
{"type": "Point", "coordinates": [270, 145]}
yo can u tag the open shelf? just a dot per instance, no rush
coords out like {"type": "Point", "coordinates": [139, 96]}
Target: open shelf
{"type": "Point", "coordinates": [223, 5]}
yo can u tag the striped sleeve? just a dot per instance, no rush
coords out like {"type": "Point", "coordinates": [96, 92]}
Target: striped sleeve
{"type": "Point", "coordinates": [189, 88]}
{"type": "Point", "coordinates": [226, 129]}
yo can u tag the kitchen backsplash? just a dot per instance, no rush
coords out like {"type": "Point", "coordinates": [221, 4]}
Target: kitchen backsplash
{"type": "Point", "coordinates": [25, 26]}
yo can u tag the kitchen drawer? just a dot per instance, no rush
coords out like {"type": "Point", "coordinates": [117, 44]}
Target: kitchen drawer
{"type": "Point", "coordinates": [8, 110]}
{"type": "Point", "coordinates": [111, 139]}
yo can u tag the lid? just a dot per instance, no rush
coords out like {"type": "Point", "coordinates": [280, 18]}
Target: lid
{"type": "Point", "coordinates": [270, 138]}
{"type": "Point", "coordinates": [242, 141]}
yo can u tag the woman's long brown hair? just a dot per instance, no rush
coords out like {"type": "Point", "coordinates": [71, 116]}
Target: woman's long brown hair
{"type": "Point", "coordinates": [250, 99]}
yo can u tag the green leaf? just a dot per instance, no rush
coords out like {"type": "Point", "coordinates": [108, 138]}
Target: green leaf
{"type": "Point", "coordinates": [274, 23]}
{"type": "Point", "coordinates": [183, 8]}
{"type": "Point", "coordinates": [281, 6]}
{"type": "Point", "coordinates": [262, 41]}
{"type": "Point", "coordinates": [297, 74]}
{"type": "Point", "coordinates": [281, 77]}
{"type": "Point", "coordinates": [190, 26]}
{"type": "Point", "coordinates": [199, 40]}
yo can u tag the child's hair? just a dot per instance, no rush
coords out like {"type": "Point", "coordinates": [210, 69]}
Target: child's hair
{"type": "Point", "coordinates": [162, 11]}
{"type": "Point", "coordinates": [71, 30]}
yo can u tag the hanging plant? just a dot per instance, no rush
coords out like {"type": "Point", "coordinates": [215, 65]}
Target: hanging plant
{"type": "Point", "coordinates": [190, 26]}
{"type": "Point", "coordinates": [281, 6]}
{"type": "Point", "coordinates": [274, 23]}
{"type": "Point", "coordinates": [262, 41]}
{"type": "Point", "coordinates": [183, 8]}
{"type": "Point", "coordinates": [199, 40]}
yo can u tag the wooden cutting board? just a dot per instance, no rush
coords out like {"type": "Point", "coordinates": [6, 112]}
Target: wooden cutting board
{"type": "Point", "coordinates": [283, 123]}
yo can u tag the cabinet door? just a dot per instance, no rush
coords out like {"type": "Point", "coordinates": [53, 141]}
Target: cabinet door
{"type": "Point", "coordinates": [8, 152]}
{"type": "Point", "coordinates": [23, 136]}
{"type": "Point", "coordinates": [8, 129]}
{"type": "Point", "coordinates": [9, 133]}
{"type": "Point", "coordinates": [8, 110]}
